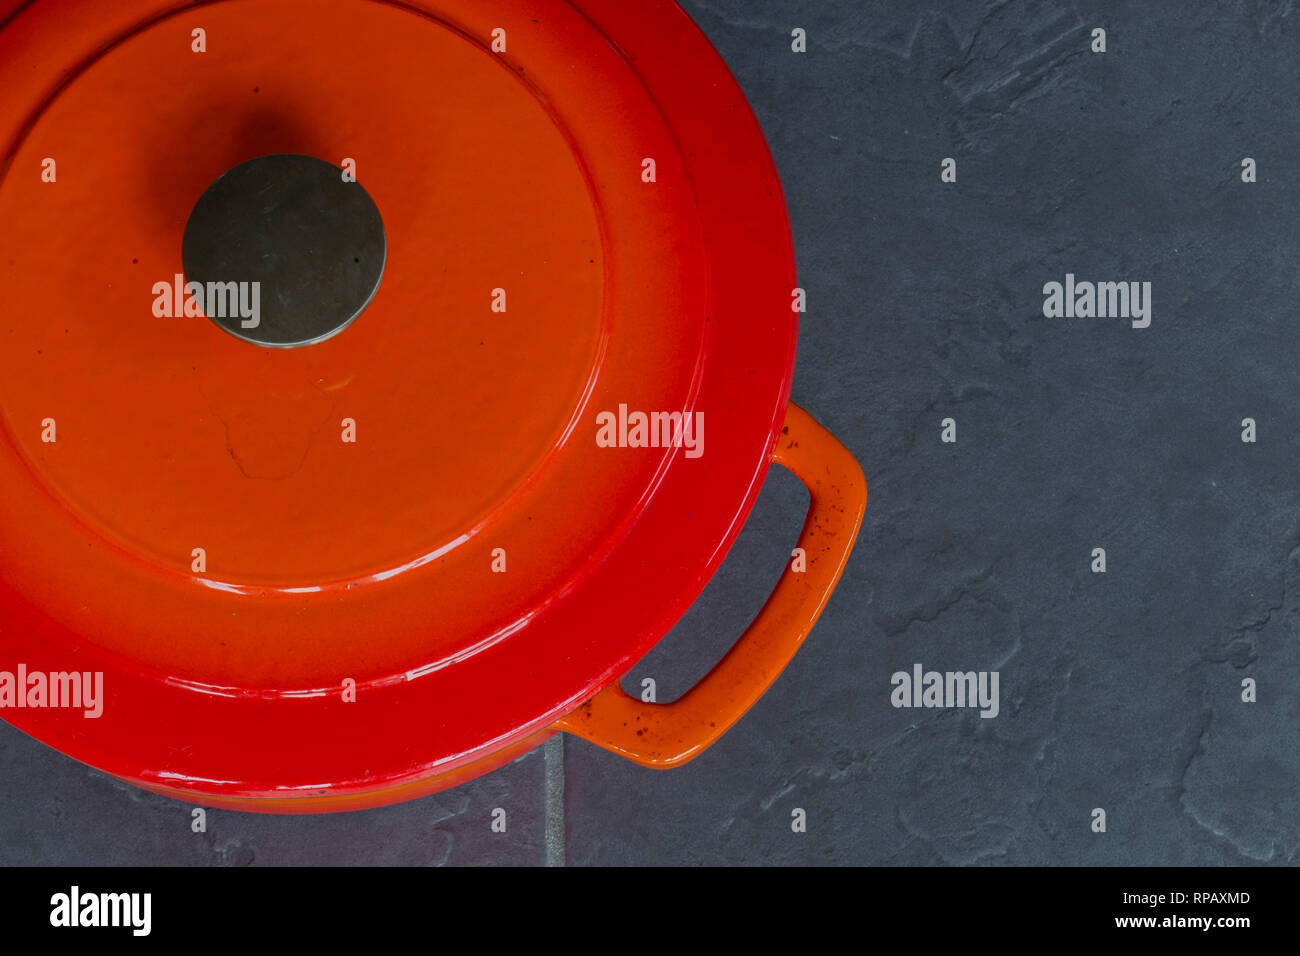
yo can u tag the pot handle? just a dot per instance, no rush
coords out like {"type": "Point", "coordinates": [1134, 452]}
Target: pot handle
{"type": "Point", "coordinates": [670, 734]}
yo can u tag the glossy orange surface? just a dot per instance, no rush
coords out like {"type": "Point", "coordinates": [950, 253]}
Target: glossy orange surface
{"type": "Point", "coordinates": [171, 438]}
{"type": "Point", "coordinates": [328, 561]}
{"type": "Point", "coordinates": [669, 734]}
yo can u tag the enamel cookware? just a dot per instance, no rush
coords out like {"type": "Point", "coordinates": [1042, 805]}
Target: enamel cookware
{"type": "Point", "coordinates": [380, 381]}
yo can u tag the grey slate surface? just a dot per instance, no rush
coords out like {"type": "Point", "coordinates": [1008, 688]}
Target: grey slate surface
{"type": "Point", "coordinates": [1119, 691]}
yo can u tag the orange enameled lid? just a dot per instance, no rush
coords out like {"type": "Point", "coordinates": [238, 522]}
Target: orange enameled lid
{"type": "Point", "coordinates": [582, 222]}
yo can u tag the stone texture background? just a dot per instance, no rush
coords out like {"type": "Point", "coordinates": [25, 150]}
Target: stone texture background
{"type": "Point", "coordinates": [1119, 691]}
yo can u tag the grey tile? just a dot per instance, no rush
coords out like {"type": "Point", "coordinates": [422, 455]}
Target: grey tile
{"type": "Point", "coordinates": [1119, 691]}
{"type": "Point", "coordinates": [56, 811]}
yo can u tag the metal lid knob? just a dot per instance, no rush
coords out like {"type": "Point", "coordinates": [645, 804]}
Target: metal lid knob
{"type": "Point", "coordinates": [287, 252]}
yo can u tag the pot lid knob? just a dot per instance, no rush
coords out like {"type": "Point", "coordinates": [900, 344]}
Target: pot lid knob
{"type": "Point", "coordinates": [286, 250]}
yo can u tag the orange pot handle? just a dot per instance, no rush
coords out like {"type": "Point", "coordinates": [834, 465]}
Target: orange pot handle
{"type": "Point", "coordinates": [668, 735]}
